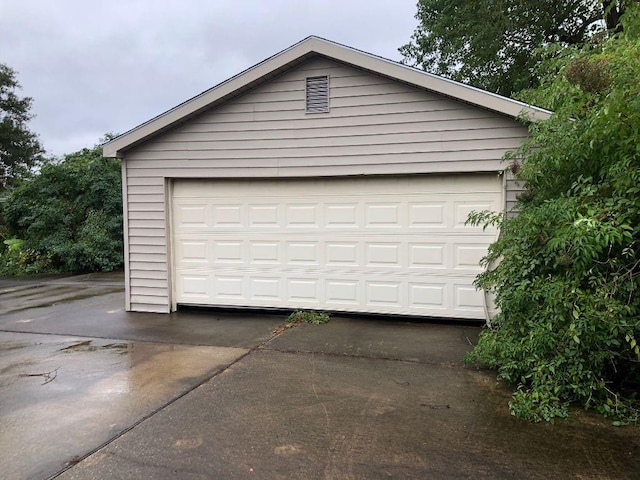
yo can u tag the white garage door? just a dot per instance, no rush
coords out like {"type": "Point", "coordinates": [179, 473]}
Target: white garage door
{"type": "Point", "coordinates": [372, 244]}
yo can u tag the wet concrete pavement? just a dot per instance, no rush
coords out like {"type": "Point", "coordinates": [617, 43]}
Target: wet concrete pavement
{"type": "Point", "coordinates": [90, 391]}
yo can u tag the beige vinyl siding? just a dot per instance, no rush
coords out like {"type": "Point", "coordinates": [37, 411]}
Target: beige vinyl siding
{"type": "Point", "coordinates": [513, 189]}
{"type": "Point", "coordinates": [375, 125]}
{"type": "Point", "coordinates": [147, 252]}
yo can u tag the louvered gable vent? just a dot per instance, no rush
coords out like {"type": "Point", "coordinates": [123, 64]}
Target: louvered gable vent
{"type": "Point", "coordinates": [318, 94]}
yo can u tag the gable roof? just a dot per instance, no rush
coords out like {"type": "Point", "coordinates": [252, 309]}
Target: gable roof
{"type": "Point", "coordinates": [300, 52]}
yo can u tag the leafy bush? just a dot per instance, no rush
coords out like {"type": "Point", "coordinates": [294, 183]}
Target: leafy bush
{"type": "Point", "coordinates": [69, 216]}
{"type": "Point", "coordinates": [568, 266]}
{"type": "Point", "coordinates": [308, 316]}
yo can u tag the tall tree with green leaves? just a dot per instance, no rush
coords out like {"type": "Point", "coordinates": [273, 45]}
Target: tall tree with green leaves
{"type": "Point", "coordinates": [492, 44]}
{"type": "Point", "coordinates": [20, 149]}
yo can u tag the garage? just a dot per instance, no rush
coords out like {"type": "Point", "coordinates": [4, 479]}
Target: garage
{"type": "Point", "coordinates": [321, 178]}
{"type": "Point", "coordinates": [377, 245]}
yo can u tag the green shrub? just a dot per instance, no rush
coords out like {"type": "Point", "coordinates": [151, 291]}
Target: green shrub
{"type": "Point", "coordinates": [308, 316]}
{"type": "Point", "coordinates": [568, 266]}
{"type": "Point", "coordinates": [69, 215]}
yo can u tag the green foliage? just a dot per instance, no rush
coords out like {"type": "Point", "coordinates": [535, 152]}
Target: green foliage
{"type": "Point", "coordinates": [20, 149]}
{"type": "Point", "coordinates": [308, 316]}
{"type": "Point", "coordinates": [493, 45]}
{"type": "Point", "coordinates": [69, 215]}
{"type": "Point", "coordinates": [568, 266]}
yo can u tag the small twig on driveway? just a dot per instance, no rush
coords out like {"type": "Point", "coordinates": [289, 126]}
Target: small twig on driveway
{"type": "Point", "coordinates": [48, 376]}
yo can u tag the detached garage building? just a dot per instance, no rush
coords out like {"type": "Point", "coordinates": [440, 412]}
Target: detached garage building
{"type": "Point", "coordinates": [322, 178]}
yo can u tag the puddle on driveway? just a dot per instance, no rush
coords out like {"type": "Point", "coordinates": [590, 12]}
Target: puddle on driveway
{"type": "Point", "coordinates": [61, 397]}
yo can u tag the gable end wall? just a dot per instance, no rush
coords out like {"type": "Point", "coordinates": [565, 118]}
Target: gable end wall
{"type": "Point", "coordinates": [375, 126]}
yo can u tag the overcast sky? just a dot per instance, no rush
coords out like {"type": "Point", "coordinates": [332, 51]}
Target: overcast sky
{"type": "Point", "coordinates": [94, 67]}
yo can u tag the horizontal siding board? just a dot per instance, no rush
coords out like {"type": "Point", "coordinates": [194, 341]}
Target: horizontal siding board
{"type": "Point", "coordinates": [135, 205]}
{"type": "Point", "coordinates": [147, 249]}
{"type": "Point", "coordinates": [157, 198]}
{"type": "Point", "coordinates": [340, 77]}
{"type": "Point", "coordinates": [147, 223]}
{"type": "Point", "coordinates": [352, 92]}
{"type": "Point", "coordinates": [147, 232]}
{"type": "Point", "coordinates": [467, 166]}
{"type": "Point", "coordinates": [146, 189]}
{"type": "Point", "coordinates": [478, 126]}
{"type": "Point", "coordinates": [137, 291]}
{"type": "Point", "coordinates": [149, 274]}
{"type": "Point", "coordinates": [143, 240]}
{"type": "Point", "coordinates": [149, 299]}
{"type": "Point", "coordinates": [147, 308]}
{"type": "Point", "coordinates": [361, 140]}
{"type": "Point", "coordinates": [262, 167]}
{"type": "Point", "coordinates": [149, 258]}
{"type": "Point", "coordinates": [398, 167]}
{"type": "Point", "coordinates": [417, 102]}
{"type": "Point", "coordinates": [293, 112]}
{"type": "Point", "coordinates": [146, 215]}
{"type": "Point", "coordinates": [149, 267]}
{"type": "Point", "coordinates": [160, 284]}
{"type": "Point", "coordinates": [150, 180]}
{"type": "Point", "coordinates": [514, 189]}
{"type": "Point", "coordinates": [279, 157]}
{"type": "Point", "coordinates": [430, 121]}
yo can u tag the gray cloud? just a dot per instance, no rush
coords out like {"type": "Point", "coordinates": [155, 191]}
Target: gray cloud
{"type": "Point", "coordinates": [98, 67]}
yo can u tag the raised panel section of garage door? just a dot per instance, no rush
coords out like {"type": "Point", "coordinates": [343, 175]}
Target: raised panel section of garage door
{"type": "Point", "coordinates": [379, 245]}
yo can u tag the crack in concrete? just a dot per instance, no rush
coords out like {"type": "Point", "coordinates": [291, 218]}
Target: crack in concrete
{"type": "Point", "coordinates": [355, 355]}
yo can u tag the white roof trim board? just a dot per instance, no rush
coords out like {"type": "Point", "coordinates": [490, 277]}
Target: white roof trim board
{"type": "Point", "coordinates": [299, 52]}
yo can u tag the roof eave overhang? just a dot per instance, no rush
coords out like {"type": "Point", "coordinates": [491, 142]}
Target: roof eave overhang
{"type": "Point", "coordinates": [295, 55]}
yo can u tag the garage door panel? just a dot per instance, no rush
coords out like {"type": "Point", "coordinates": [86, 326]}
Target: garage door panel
{"type": "Point", "coordinates": [265, 252]}
{"type": "Point", "coordinates": [427, 255]}
{"type": "Point", "coordinates": [467, 298]}
{"type": "Point", "coordinates": [305, 290]}
{"type": "Point", "coordinates": [428, 297]}
{"type": "Point", "coordinates": [267, 289]}
{"type": "Point", "coordinates": [342, 292]}
{"type": "Point", "coordinates": [384, 245]}
{"type": "Point", "coordinates": [194, 286]}
{"type": "Point", "coordinates": [227, 216]}
{"type": "Point", "coordinates": [427, 214]}
{"type": "Point", "coordinates": [384, 254]}
{"type": "Point", "coordinates": [228, 251]}
{"type": "Point", "coordinates": [303, 216]}
{"type": "Point", "coordinates": [385, 215]}
{"type": "Point", "coordinates": [192, 250]}
{"type": "Point", "coordinates": [228, 287]}
{"type": "Point", "coordinates": [384, 293]}
{"type": "Point", "coordinates": [342, 216]}
{"type": "Point", "coordinates": [303, 252]}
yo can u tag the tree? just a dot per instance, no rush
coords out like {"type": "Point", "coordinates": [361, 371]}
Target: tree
{"type": "Point", "coordinates": [20, 149]}
{"type": "Point", "coordinates": [68, 217]}
{"type": "Point", "coordinates": [567, 279]}
{"type": "Point", "coordinates": [492, 44]}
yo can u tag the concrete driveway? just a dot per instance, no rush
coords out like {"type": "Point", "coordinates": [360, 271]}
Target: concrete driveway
{"type": "Point", "coordinates": [88, 391]}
